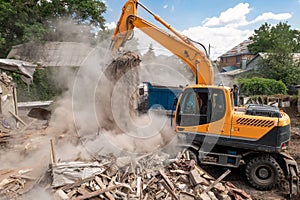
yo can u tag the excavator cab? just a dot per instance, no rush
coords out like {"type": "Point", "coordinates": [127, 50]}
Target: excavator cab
{"type": "Point", "coordinates": [198, 106]}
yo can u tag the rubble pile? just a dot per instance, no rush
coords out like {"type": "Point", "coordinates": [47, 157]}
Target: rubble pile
{"type": "Point", "coordinates": [151, 176]}
{"type": "Point", "coordinates": [6, 79]}
{"type": "Point", "coordinates": [16, 182]}
{"type": "Point", "coordinates": [4, 137]}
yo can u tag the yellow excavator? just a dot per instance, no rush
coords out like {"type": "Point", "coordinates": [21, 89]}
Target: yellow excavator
{"type": "Point", "coordinates": [208, 124]}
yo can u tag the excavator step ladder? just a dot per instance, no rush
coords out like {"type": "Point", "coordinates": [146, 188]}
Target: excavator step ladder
{"type": "Point", "coordinates": [220, 159]}
{"type": "Point", "coordinates": [292, 174]}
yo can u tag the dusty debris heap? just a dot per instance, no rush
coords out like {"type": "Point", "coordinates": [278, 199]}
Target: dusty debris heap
{"type": "Point", "coordinates": [151, 176]}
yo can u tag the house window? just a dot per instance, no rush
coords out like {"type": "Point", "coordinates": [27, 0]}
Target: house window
{"type": "Point", "coordinates": [238, 59]}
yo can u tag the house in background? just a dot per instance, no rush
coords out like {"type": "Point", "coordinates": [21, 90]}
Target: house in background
{"type": "Point", "coordinates": [254, 63]}
{"type": "Point", "coordinates": [236, 58]}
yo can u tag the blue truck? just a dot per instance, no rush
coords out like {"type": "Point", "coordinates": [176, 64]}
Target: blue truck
{"type": "Point", "coordinates": [157, 98]}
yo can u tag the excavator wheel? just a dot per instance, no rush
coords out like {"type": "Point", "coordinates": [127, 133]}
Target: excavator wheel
{"type": "Point", "coordinates": [263, 172]}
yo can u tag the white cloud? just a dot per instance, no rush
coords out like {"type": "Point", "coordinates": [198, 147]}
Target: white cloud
{"type": "Point", "coordinates": [221, 32]}
{"type": "Point", "coordinates": [233, 16]}
{"type": "Point", "coordinates": [270, 15]}
{"type": "Point", "coordinates": [221, 39]}
{"type": "Point", "coordinates": [236, 17]}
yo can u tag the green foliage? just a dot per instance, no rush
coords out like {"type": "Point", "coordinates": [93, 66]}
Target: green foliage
{"type": "Point", "coordinates": [279, 42]}
{"type": "Point", "coordinates": [261, 86]}
{"type": "Point", "coordinates": [2, 40]}
{"type": "Point", "coordinates": [275, 39]}
{"type": "Point", "coordinates": [43, 87]}
{"type": "Point", "coordinates": [34, 32]}
{"type": "Point", "coordinates": [22, 21]}
{"type": "Point", "coordinates": [281, 67]}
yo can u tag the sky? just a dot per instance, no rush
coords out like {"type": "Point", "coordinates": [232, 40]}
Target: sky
{"type": "Point", "coordinates": [216, 23]}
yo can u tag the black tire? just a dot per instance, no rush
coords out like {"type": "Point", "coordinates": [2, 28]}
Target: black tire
{"type": "Point", "coordinates": [263, 172]}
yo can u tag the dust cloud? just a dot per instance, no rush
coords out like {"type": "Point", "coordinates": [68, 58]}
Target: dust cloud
{"type": "Point", "coordinates": [95, 116]}
{"type": "Point", "coordinates": [101, 112]}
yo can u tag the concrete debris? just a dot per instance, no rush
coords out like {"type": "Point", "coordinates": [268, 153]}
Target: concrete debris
{"type": "Point", "coordinates": [8, 108]}
{"type": "Point", "coordinates": [136, 178]}
{"type": "Point", "coordinates": [5, 79]}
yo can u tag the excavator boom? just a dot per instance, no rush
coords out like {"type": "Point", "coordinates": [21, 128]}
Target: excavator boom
{"type": "Point", "coordinates": [176, 43]}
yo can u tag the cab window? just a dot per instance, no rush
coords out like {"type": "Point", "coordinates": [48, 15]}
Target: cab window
{"type": "Point", "coordinates": [200, 106]}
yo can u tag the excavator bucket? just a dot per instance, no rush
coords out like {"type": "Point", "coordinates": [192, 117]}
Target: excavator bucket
{"type": "Point", "coordinates": [122, 72]}
{"type": "Point", "coordinates": [121, 65]}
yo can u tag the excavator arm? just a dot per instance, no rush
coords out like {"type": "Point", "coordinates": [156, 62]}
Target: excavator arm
{"type": "Point", "coordinates": [178, 44]}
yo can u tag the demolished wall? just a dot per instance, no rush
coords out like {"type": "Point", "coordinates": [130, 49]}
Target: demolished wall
{"type": "Point", "coordinates": [8, 105]}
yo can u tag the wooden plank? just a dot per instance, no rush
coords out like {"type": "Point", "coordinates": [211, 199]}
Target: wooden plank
{"type": "Point", "coordinates": [83, 190]}
{"type": "Point", "coordinates": [216, 181]}
{"type": "Point", "coordinates": [166, 179]}
{"type": "Point", "coordinates": [139, 187]}
{"type": "Point", "coordinates": [53, 153]}
{"type": "Point", "coordinates": [16, 104]}
{"type": "Point", "coordinates": [78, 183]}
{"type": "Point", "coordinates": [98, 192]}
{"type": "Point", "coordinates": [165, 185]}
{"type": "Point", "coordinates": [18, 118]}
{"type": "Point", "coordinates": [103, 186]}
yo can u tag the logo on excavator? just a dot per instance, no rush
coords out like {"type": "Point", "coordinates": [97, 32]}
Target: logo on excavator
{"type": "Point", "coordinates": [128, 8]}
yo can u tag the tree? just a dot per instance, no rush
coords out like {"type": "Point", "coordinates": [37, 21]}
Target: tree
{"type": "Point", "coordinates": [281, 67]}
{"type": "Point", "coordinates": [280, 42]}
{"type": "Point", "coordinates": [273, 39]}
{"type": "Point", "coordinates": [22, 21]}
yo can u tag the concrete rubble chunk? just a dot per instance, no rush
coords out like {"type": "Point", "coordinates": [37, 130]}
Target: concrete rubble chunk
{"type": "Point", "coordinates": [212, 195]}
{"type": "Point", "coordinates": [197, 179]}
{"type": "Point", "coordinates": [205, 196]}
{"type": "Point", "coordinates": [220, 187]}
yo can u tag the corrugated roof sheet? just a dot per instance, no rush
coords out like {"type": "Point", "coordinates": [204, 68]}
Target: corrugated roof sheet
{"type": "Point", "coordinates": [239, 49]}
{"type": "Point", "coordinates": [52, 53]}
